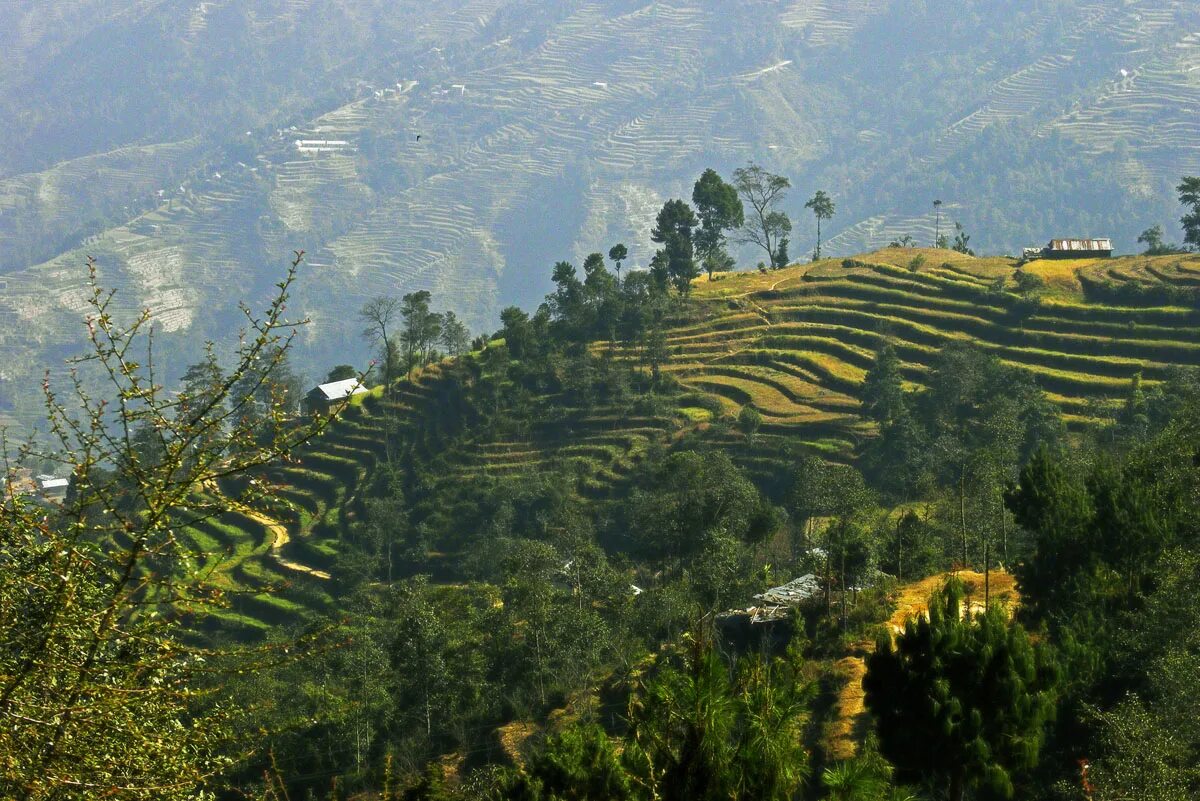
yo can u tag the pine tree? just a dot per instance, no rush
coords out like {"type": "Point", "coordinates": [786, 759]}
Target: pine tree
{"type": "Point", "coordinates": [883, 392]}
{"type": "Point", "coordinates": [1052, 503]}
{"type": "Point", "coordinates": [961, 700]}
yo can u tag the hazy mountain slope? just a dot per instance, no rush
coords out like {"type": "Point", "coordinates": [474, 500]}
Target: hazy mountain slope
{"type": "Point", "coordinates": [545, 131]}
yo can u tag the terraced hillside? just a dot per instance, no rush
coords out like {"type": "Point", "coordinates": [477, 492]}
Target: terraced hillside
{"type": "Point", "coordinates": [795, 343]}
{"type": "Point", "coordinates": [798, 342]}
{"type": "Point", "coordinates": [542, 132]}
{"type": "Point", "coordinates": [279, 560]}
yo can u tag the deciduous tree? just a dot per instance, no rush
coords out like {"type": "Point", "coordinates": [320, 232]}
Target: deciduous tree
{"type": "Point", "coordinates": [380, 314]}
{"type": "Point", "coordinates": [421, 329]}
{"type": "Point", "coordinates": [102, 693]}
{"type": "Point", "coordinates": [618, 253]}
{"type": "Point", "coordinates": [822, 208]}
{"type": "Point", "coordinates": [763, 191]}
{"type": "Point", "coordinates": [720, 210]}
{"type": "Point", "coordinates": [455, 337]}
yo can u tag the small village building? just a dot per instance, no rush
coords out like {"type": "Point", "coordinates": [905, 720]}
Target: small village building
{"type": "Point", "coordinates": [53, 488]}
{"type": "Point", "coordinates": [1076, 249]}
{"type": "Point", "coordinates": [769, 623]}
{"type": "Point", "coordinates": [322, 397]}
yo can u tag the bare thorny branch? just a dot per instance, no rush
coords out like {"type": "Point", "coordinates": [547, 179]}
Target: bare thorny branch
{"type": "Point", "coordinates": [107, 574]}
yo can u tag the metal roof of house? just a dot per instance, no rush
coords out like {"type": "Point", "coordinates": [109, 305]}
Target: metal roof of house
{"type": "Point", "coordinates": [795, 591]}
{"type": "Point", "coordinates": [1080, 244]}
{"type": "Point", "coordinates": [336, 390]}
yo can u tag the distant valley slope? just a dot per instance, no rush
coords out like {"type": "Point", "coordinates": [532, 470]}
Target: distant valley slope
{"type": "Point", "coordinates": [162, 138]}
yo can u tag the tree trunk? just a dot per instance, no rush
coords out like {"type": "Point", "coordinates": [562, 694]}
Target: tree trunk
{"type": "Point", "coordinates": [962, 510]}
{"type": "Point", "coordinates": [828, 581]}
{"type": "Point", "coordinates": [899, 551]}
{"type": "Point", "coordinates": [537, 643]}
{"type": "Point", "coordinates": [956, 786]}
{"type": "Point", "coordinates": [987, 574]}
{"type": "Point", "coordinates": [1004, 531]}
{"type": "Point", "coordinates": [843, 583]}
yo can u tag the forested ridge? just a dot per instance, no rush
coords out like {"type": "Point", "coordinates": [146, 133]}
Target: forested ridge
{"type": "Point", "coordinates": [532, 564]}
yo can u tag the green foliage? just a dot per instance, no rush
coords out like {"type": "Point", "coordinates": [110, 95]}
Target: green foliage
{"type": "Point", "coordinates": [341, 372]}
{"type": "Point", "coordinates": [102, 688]}
{"type": "Point", "coordinates": [454, 337]}
{"type": "Point", "coordinates": [882, 392]}
{"type": "Point", "coordinates": [697, 730]}
{"type": "Point", "coordinates": [865, 777]}
{"type": "Point", "coordinates": [1189, 196]}
{"type": "Point", "coordinates": [781, 253]}
{"type": "Point", "coordinates": [690, 499]}
{"type": "Point", "coordinates": [578, 765]}
{"type": "Point", "coordinates": [961, 239]}
{"type": "Point", "coordinates": [822, 208]}
{"type": "Point", "coordinates": [1052, 501]}
{"type": "Point", "coordinates": [720, 210]}
{"type": "Point", "coordinates": [697, 733]}
{"type": "Point", "coordinates": [380, 315]}
{"type": "Point", "coordinates": [618, 253]}
{"type": "Point", "coordinates": [1148, 739]}
{"type": "Point", "coordinates": [749, 419]}
{"type": "Point", "coordinates": [765, 225]}
{"type": "Point", "coordinates": [673, 230]}
{"type": "Point", "coordinates": [1152, 237]}
{"type": "Point", "coordinates": [961, 700]}
{"type": "Point", "coordinates": [1027, 282]}
{"type": "Point", "coordinates": [420, 330]}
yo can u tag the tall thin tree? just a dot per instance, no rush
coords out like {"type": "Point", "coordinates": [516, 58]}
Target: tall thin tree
{"type": "Point", "coordinates": [379, 313]}
{"type": "Point", "coordinates": [822, 208]}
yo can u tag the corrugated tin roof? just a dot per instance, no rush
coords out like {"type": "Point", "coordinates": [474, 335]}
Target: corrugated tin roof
{"type": "Point", "coordinates": [1080, 244]}
{"type": "Point", "coordinates": [336, 390]}
{"type": "Point", "coordinates": [795, 591]}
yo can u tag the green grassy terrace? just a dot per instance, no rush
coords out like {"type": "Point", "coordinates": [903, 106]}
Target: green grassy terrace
{"type": "Point", "coordinates": [796, 343]}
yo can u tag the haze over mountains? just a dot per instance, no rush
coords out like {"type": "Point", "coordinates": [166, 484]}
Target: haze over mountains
{"type": "Point", "coordinates": [161, 137]}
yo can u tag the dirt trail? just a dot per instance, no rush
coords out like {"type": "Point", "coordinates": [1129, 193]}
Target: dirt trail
{"type": "Point", "coordinates": [278, 531]}
{"type": "Point", "coordinates": [911, 601]}
{"type": "Point", "coordinates": [279, 538]}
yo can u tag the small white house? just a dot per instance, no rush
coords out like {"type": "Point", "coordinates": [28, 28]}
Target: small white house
{"type": "Point", "coordinates": [321, 397]}
{"type": "Point", "coordinates": [53, 487]}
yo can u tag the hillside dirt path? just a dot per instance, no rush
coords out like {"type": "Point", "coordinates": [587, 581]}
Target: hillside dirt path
{"type": "Point", "coordinates": [279, 538]}
{"type": "Point", "coordinates": [279, 533]}
{"type": "Point", "coordinates": [912, 600]}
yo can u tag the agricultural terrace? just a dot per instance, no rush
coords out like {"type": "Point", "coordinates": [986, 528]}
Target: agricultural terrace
{"type": "Point", "coordinates": [796, 343]}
